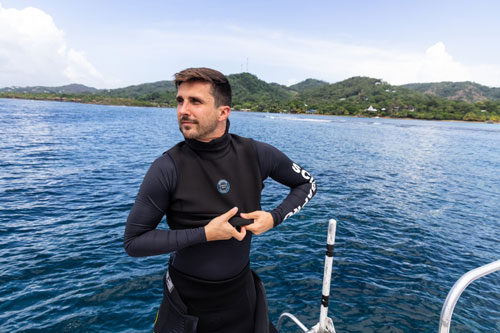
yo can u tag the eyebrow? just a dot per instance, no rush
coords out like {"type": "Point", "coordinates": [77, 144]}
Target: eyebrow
{"type": "Point", "coordinates": [195, 99]}
{"type": "Point", "coordinates": [190, 98]}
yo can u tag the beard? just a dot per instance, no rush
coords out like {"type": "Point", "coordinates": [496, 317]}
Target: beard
{"type": "Point", "coordinates": [197, 130]}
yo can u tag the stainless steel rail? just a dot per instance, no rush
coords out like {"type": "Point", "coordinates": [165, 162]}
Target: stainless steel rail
{"type": "Point", "coordinates": [292, 317]}
{"type": "Point", "coordinates": [325, 324]}
{"type": "Point", "coordinates": [327, 276]}
{"type": "Point", "coordinates": [458, 288]}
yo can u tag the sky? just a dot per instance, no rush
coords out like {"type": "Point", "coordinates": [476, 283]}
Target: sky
{"type": "Point", "coordinates": [112, 44]}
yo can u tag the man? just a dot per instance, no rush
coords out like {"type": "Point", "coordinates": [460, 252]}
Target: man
{"type": "Point", "coordinates": [209, 187]}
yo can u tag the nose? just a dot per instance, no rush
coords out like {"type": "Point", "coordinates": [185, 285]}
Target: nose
{"type": "Point", "coordinates": [183, 108]}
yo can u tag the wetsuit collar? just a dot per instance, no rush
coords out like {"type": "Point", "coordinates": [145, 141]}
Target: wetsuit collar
{"type": "Point", "coordinates": [213, 146]}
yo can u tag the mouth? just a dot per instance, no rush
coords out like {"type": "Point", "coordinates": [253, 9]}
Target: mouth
{"type": "Point", "coordinates": [188, 122]}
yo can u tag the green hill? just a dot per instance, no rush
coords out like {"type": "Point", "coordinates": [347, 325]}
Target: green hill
{"type": "Point", "coordinates": [249, 92]}
{"type": "Point", "coordinates": [307, 84]}
{"type": "Point", "coordinates": [67, 89]}
{"type": "Point", "coordinates": [461, 91]}
{"type": "Point", "coordinates": [356, 96]}
{"type": "Point", "coordinates": [141, 90]}
{"type": "Point", "coordinates": [160, 93]}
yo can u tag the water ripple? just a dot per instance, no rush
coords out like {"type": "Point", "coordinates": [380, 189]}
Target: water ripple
{"type": "Point", "coordinates": [416, 202]}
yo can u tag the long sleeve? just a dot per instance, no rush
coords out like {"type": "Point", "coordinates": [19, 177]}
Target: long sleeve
{"type": "Point", "coordinates": [141, 237]}
{"type": "Point", "coordinates": [275, 164]}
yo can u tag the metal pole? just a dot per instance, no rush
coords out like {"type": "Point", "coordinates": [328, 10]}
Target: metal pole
{"type": "Point", "coordinates": [292, 317]}
{"type": "Point", "coordinates": [327, 276]}
{"type": "Point", "coordinates": [458, 288]}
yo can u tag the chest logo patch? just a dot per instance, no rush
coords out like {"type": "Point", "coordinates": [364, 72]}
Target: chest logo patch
{"type": "Point", "coordinates": [223, 186]}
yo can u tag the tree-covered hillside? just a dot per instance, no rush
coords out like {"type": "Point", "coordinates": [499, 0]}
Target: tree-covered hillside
{"type": "Point", "coordinates": [67, 89]}
{"type": "Point", "coordinates": [461, 91]}
{"type": "Point", "coordinates": [249, 92]}
{"type": "Point", "coordinates": [159, 93]}
{"type": "Point", "coordinates": [362, 96]}
{"type": "Point", "coordinates": [308, 84]}
{"type": "Point", "coordinates": [357, 96]}
{"type": "Point", "coordinates": [141, 90]}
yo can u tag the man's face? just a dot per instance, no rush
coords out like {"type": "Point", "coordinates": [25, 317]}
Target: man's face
{"type": "Point", "coordinates": [196, 112]}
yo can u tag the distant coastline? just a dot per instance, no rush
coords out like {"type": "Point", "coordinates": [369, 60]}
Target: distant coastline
{"type": "Point", "coordinates": [357, 96]}
{"type": "Point", "coordinates": [135, 103]}
{"type": "Point", "coordinates": [98, 101]}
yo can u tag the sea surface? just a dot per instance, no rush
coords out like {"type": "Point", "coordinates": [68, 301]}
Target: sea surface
{"type": "Point", "coordinates": [417, 205]}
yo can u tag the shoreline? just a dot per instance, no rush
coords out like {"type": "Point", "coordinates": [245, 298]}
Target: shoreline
{"type": "Point", "coordinates": [351, 116]}
{"type": "Point", "coordinates": [112, 101]}
{"type": "Point", "coordinates": [408, 118]}
{"type": "Point", "coordinates": [134, 103]}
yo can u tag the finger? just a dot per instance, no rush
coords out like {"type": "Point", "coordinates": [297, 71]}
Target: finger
{"type": "Point", "coordinates": [230, 213]}
{"type": "Point", "coordinates": [251, 215]}
{"type": "Point", "coordinates": [239, 235]}
{"type": "Point", "coordinates": [252, 228]}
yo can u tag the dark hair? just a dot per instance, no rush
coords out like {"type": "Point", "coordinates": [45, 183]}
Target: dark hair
{"type": "Point", "coordinates": [221, 89]}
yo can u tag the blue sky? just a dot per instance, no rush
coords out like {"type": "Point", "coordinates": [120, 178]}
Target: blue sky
{"type": "Point", "coordinates": [109, 44]}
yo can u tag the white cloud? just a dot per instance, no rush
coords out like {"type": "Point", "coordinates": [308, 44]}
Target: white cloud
{"type": "Point", "coordinates": [279, 57]}
{"type": "Point", "coordinates": [33, 51]}
{"type": "Point", "coordinates": [439, 65]}
{"type": "Point", "coordinates": [79, 69]}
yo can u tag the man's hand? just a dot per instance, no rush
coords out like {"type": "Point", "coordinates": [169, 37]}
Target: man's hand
{"type": "Point", "coordinates": [262, 221]}
{"type": "Point", "coordinates": [220, 229]}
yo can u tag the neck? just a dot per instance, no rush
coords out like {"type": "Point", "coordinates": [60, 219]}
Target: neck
{"type": "Point", "coordinates": [216, 144]}
{"type": "Point", "coordinates": [219, 131]}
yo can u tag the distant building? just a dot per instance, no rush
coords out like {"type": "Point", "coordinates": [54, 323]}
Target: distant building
{"type": "Point", "coordinates": [371, 109]}
{"type": "Point", "coordinates": [311, 111]}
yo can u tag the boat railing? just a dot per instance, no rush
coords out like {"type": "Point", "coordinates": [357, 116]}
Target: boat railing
{"type": "Point", "coordinates": [458, 288]}
{"type": "Point", "coordinates": [325, 324]}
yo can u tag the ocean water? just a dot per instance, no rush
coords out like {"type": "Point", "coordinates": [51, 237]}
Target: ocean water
{"type": "Point", "coordinates": [417, 205]}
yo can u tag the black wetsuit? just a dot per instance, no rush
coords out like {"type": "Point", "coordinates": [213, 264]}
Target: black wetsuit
{"type": "Point", "coordinates": [156, 195]}
{"type": "Point", "coordinates": [193, 183]}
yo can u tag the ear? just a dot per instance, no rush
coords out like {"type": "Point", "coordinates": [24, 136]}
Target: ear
{"type": "Point", "coordinates": [224, 111]}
